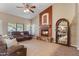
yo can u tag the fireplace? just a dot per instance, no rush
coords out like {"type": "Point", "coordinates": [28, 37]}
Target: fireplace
{"type": "Point", "coordinates": [46, 22]}
{"type": "Point", "coordinates": [44, 32]}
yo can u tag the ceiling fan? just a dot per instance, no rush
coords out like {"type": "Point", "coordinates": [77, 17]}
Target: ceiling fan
{"type": "Point", "coordinates": [27, 7]}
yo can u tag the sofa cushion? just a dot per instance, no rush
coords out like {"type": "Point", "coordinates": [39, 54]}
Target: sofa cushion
{"type": "Point", "coordinates": [26, 32]}
{"type": "Point", "coordinates": [11, 42]}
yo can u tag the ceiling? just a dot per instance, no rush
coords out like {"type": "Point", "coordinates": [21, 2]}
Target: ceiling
{"type": "Point", "coordinates": [10, 8]}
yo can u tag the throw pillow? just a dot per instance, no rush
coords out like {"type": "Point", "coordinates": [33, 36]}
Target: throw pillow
{"type": "Point", "coordinates": [11, 42]}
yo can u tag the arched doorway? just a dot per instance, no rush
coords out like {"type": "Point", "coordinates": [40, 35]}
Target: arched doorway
{"type": "Point", "coordinates": [63, 32]}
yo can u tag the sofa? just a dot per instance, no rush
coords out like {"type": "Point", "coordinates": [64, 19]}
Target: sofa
{"type": "Point", "coordinates": [2, 47]}
{"type": "Point", "coordinates": [15, 50]}
{"type": "Point", "coordinates": [21, 36]}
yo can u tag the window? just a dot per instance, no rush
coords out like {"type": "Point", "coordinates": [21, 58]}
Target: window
{"type": "Point", "coordinates": [11, 27]}
{"type": "Point", "coordinates": [19, 27]}
{"type": "Point", "coordinates": [27, 27]}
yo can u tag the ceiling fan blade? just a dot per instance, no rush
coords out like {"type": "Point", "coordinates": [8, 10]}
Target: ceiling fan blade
{"type": "Point", "coordinates": [31, 10]}
{"type": "Point", "coordinates": [33, 6]}
{"type": "Point", "coordinates": [25, 5]}
{"type": "Point", "coordinates": [19, 7]}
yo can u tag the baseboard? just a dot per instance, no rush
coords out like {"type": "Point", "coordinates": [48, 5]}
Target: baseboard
{"type": "Point", "coordinates": [73, 45]}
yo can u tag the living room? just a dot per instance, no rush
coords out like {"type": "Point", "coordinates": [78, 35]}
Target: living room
{"type": "Point", "coordinates": [36, 29]}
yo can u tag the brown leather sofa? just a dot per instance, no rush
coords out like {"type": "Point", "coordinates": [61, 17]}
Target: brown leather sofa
{"type": "Point", "coordinates": [21, 36]}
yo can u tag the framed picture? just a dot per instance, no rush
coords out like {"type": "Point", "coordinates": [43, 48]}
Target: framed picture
{"type": "Point", "coordinates": [45, 19]}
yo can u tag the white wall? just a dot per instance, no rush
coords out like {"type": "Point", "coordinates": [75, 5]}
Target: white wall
{"type": "Point", "coordinates": [62, 11]}
{"type": "Point", "coordinates": [65, 11]}
{"type": "Point", "coordinates": [1, 32]}
{"type": "Point", "coordinates": [11, 18]}
{"type": "Point", "coordinates": [78, 26]}
{"type": "Point", "coordinates": [35, 26]}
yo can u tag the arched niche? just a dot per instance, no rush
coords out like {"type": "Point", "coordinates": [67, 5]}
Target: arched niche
{"type": "Point", "coordinates": [63, 32]}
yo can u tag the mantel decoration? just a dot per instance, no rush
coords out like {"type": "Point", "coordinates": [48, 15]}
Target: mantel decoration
{"type": "Point", "coordinates": [45, 19]}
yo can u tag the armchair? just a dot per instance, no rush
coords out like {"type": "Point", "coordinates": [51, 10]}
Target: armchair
{"type": "Point", "coordinates": [15, 50]}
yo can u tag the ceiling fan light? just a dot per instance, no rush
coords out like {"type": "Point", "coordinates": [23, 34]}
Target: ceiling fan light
{"type": "Point", "coordinates": [24, 10]}
{"type": "Point", "coordinates": [27, 10]}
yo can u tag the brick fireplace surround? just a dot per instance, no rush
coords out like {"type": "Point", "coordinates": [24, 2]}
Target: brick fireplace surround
{"type": "Point", "coordinates": [46, 29]}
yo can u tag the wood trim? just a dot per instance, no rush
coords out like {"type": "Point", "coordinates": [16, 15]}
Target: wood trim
{"type": "Point", "coordinates": [68, 32]}
{"type": "Point", "coordinates": [48, 10]}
